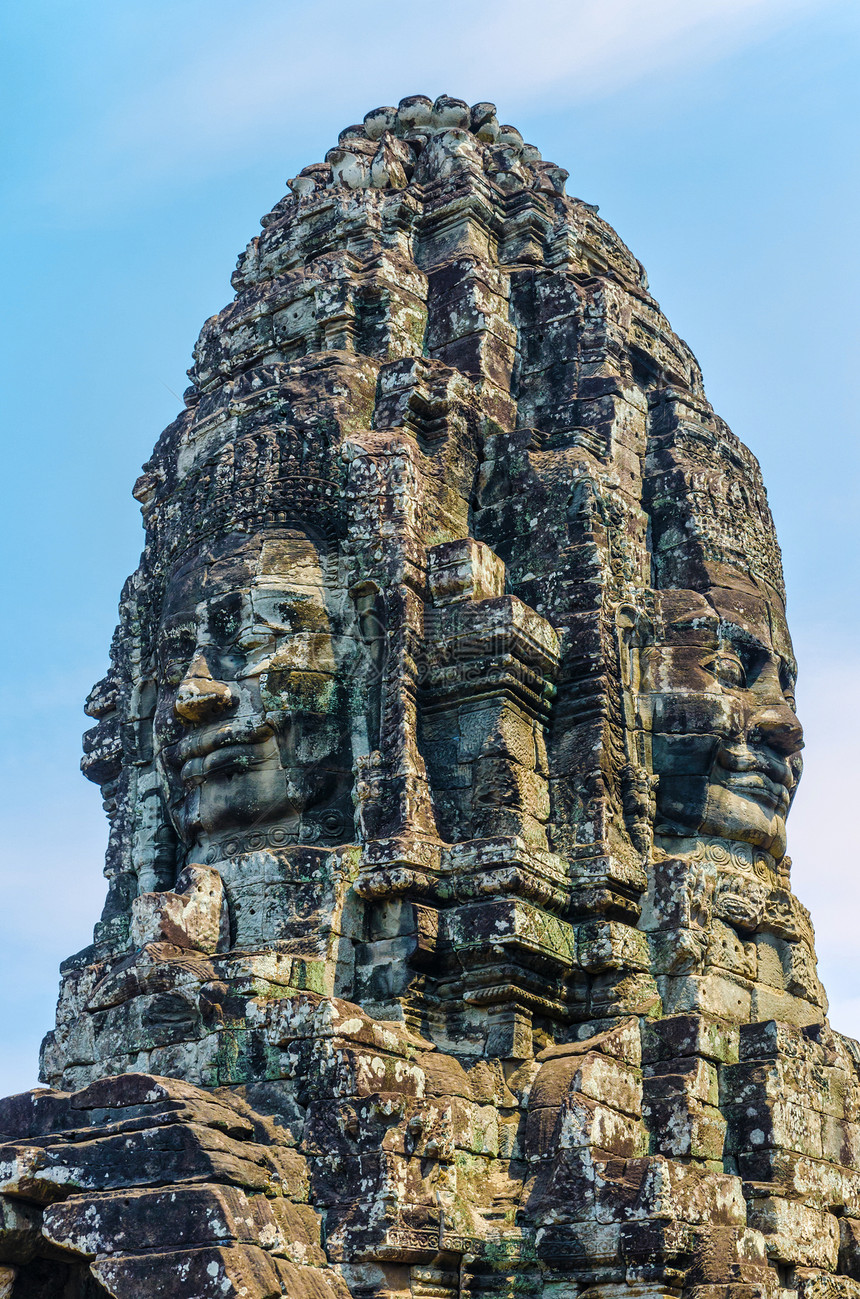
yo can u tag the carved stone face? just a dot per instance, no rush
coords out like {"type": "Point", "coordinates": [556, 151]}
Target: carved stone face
{"type": "Point", "coordinates": [246, 724]}
{"type": "Point", "coordinates": [725, 738]}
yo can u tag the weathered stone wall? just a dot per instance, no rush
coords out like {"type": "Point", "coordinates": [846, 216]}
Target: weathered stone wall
{"type": "Point", "coordinates": [447, 745]}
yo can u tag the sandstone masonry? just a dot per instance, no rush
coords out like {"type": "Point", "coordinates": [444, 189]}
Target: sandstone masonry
{"type": "Point", "coordinates": [447, 746]}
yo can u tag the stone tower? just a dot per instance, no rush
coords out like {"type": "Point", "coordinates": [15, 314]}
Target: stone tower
{"type": "Point", "coordinates": [447, 745]}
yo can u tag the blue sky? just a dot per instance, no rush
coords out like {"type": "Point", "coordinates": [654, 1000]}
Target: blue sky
{"type": "Point", "coordinates": [145, 140]}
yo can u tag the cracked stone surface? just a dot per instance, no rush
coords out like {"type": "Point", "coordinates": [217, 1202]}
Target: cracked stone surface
{"type": "Point", "coordinates": [447, 746]}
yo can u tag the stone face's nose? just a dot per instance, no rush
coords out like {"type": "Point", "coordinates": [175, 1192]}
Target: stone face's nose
{"type": "Point", "coordinates": [779, 729]}
{"type": "Point", "coordinates": [199, 695]}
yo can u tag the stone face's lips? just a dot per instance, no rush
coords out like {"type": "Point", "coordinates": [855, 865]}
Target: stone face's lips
{"type": "Point", "coordinates": [760, 786]}
{"type": "Point", "coordinates": [761, 773]}
{"type": "Point", "coordinates": [201, 743]}
{"type": "Point", "coordinates": [223, 760]}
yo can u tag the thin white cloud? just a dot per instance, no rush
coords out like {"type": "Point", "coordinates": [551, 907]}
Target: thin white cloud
{"type": "Point", "coordinates": [246, 85]}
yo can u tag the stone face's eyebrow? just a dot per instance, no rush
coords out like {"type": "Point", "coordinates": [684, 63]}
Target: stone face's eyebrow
{"type": "Point", "coordinates": [742, 639]}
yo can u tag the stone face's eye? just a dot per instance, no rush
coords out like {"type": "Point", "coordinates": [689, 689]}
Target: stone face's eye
{"type": "Point", "coordinates": [729, 671]}
{"type": "Point", "coordinates": [174, 671]}
{"type": "Point", "coordinates": [225, 620]}
{"type": "Point", "coordinates": [251, 638]}
{"type": "Point", "coordinates": [788, 686]}
{"type": "Point", "coordinates": [175, 654]}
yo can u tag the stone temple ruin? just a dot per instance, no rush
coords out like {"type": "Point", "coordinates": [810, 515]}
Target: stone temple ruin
{"type": "Point", "coordinates": [447, 744]}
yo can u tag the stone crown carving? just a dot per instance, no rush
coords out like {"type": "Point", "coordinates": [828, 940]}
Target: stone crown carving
{"type": "Point", "coordinates": [447, 744]}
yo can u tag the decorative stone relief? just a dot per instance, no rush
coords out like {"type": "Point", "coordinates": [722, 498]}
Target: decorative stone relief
{"type": "Point", "coordinates": [447, 746]}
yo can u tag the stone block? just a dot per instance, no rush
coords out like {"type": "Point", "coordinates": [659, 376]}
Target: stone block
{"type": "Point", "coordinates": [760, 1124]}
{"type": "Point", "coordinates": [769, 1003]}
{"type": "Point", "coordinates": [848, 1262]}
{"type": "Point", "coordinates": [579, 1123]}
{"type": "Point", "coordinates": [659, 1188]}
{"type": "Point", "coordinates": [562, 1189]}
{"type": "Point", "coordinates": [684, 1128]}
{"type": "Point", "coordinates": [691, 1076]}
{"type": "Point", "coordinates": [216, 1271]}
{"type": "Point", "coordinates": [815, 1182]}
{"type": "Point", "coordinates": [769, 1039]}
{"type": "Point", "coordinates": [192, 915]}
{"type": "Point", "coordinates": [840, 1141]}
{"type": "Point", "coordinates": [182, 1217]}
{"type": "Point", "coordinates": [610, 1082]}
{"type": "Point", "coordinates": [795, 1233]}
{"type": "Point", "coordinates": [719, 995]}
{"type": "Point", "coordinates": [20, 1230]}
{"type": "Point", "coordinates": [607, 945]}
{"type": "Point", "coordinates": [179, 1152]}
{"type": "Point", "coordinates": [690, 1035]}
{"type": "Point", "coordinates": [814, 1283]}
{"type": "Point", "coordinates": [464, 570]}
